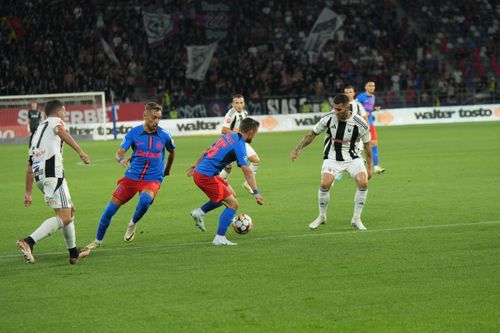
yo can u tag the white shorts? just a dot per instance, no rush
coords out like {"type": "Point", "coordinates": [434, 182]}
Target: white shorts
{"type": "Point", "coordinates": [55, 192]}
{"type": "Point", "coordinates": [338, 167]}
{"type": "Point", "coordinates": [250, 152]}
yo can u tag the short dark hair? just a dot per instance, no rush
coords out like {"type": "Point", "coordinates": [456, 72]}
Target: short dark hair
{"type": "Point", "coordinates": [349, 86]}
{"type": "Point", "coordinates": [237, 96]}
{"type": "Point", "coordinates": [153, 106]}
{"type": "Point", "coordinates": [248, 124]}
{"type": "Point", "coordinates": [52, 106]}
{"type": "Point", "coordinates": [341, 99]}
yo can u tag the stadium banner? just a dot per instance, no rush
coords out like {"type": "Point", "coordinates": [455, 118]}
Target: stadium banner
{"type": "Point", "coordinates": [84, 120]}
{"type": "Point", "coordinates": [327, 23]}
{"type": "Point", "coordinates": [437, 115]}
{"type": "Point", "coordinates": [215, 17]}
{"type": "Point", "coordinates": [199, 58]}
{"type": "Point", "coordinates": [159, 26]}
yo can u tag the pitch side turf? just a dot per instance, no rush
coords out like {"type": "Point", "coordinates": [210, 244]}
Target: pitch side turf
{"type": "Point", "coordinates": [428, 263]}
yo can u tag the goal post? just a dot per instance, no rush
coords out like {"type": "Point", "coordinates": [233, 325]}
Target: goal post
{"type": "Point", "coordinates": [86, 115]}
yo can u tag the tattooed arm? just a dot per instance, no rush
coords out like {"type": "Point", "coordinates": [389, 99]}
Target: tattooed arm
{"type": "Point", "coordinates": [303, 143]}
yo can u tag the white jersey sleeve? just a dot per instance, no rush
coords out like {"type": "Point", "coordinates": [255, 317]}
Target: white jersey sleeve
{"type": "Point", "coordinates": [322, 124]}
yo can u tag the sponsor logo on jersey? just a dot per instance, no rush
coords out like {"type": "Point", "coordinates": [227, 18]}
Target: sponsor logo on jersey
{"type": "Point", "coordinates": [148, 154]}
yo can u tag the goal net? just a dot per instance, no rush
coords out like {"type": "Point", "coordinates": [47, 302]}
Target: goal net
{"type": "Point", "coordinates": [86, 115]}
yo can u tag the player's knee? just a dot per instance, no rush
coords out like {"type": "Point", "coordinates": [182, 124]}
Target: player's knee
{"type": "Point", "coordinates": [325, 187]}
{"type": "Point", "coordinates": [254, 159]}
{"type": "Point", "coordinates": [374, 143]}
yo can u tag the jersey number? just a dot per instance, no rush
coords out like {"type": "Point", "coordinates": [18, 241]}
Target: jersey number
{"type": "Point", "coordinates": [215, 148]}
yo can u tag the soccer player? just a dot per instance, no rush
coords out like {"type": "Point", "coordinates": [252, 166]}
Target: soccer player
{"type": "Point", "coordinates": [45, 166]}
{"type": "Point", "coordinates": [367, 99]}
{"type": "Point", "coordinates": [230, 147]}
{"type": "Point", "coordinates": [144, 175]}
{"type": "Point", "coordinates": [343, 130]}
{"type": "Point", "coordinates": [231, 124]}
{"type": "Point", "coordinates": [34, 116]}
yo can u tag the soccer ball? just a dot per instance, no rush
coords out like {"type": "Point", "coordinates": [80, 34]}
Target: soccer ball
{"type": "Point", "coordinates": [242, 224]}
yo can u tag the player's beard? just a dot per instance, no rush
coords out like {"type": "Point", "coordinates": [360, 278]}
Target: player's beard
{"type": "Point", "coordinates": [248, 140]}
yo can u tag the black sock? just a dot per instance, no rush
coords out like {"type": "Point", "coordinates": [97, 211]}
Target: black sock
{"type": "Point", "coordinates": [73, 253]}
{"type": "Point", "coordinates": [30, 241]}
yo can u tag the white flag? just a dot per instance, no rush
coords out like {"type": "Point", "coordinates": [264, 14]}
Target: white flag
{"type": "Point", "coordinates": [199, 58]}
{"type": "Point", "coordinates": [323, 30]}
{"type": "Point", "coordinates": [109, 51]}
{"type": "Point", "coordinates": [158, 26]}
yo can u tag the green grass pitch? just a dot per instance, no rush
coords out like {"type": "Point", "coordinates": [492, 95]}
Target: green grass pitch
{"type": "Point", "coordinates": [428, 263]}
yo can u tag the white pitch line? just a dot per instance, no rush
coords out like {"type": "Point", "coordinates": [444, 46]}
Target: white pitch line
{"type": "Point", "coordinates": [309, 234]}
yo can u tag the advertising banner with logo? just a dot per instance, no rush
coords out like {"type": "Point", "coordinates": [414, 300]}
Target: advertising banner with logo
{"type": "Point", "coordinates": [437, 115]}
{"type": "Point", "coordinates": [84, 121]}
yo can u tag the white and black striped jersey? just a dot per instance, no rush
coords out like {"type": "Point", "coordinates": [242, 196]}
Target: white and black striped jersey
{"type": "Point", "coordinates": [232, 119]}
{"type": "Point", "coordinates": [357, 108]}
{"type": "Point", "coordinates": [46, 150]}
{"type": "Point", "coordinates": [342, 136]}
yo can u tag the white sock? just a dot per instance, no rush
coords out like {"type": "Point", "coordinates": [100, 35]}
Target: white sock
{"type": "Point", "coordinates": [323, 199]}
{"type": "Point", "coordinates": [254, 167]}
{"type": "Point", "coordinates": [359, 201]}
{"type": "Point", "coordinates": [47, 228]}
{"type": "Point", "coordinates": [131, 222]}
{"type": "Point", "coordinates": [69, 234]}
{"type": "Point", "coordinates": [224, 174]}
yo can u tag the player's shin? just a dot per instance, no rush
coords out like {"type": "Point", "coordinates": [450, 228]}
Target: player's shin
{"type": "Point", "coordinates": [47, 228]}
{"type": "Point", "coordinates": [359, 201]}
{"type": "Point", "coordinates": [142, 206]}
{"type": "Point", "coordinates": [375, 155]}
{"type": "Point", "coordinates": [105, 220]}
{"type": "Point", "coordinates": [210, 205]}
{"type": "Point", "coordinates": [69, 234]}
{"type": "Point", "coordinates": [323, 200]}
{"type": "Point", "coordinates": [225, 220]}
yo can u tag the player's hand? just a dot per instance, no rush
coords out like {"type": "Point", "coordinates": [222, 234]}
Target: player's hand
{"type": "Point", "coordinates": [260, 199]}
{"type": "Point", "coordinates": [190, 171]}
{"type": "Point", "coordinates": [377, 108]}
{"type": "Point", "coordinates": [124, 162]}
{"type": "Point", "coordinates": [85, 158]}
{"type": "Point", "coordinates": [369, 171]}
{"type": "Point", "coordinates": [27, 200]}
{"type": "Point", "coordinates": [294, 155]}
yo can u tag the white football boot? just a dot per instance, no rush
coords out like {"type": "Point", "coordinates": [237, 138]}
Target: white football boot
{"type": "Point", "coordinates": [316, 223]}
{"type": "Point", "coordinates": [130, 233]}
{"type": "Point", "coordinates": [222, 240]}
{"type": "Point", "coordinates": [356, 223]}
{"type": "Point", "coordinates": [378, 169]}
{"type": "Point", "coordinates": [199, 218]}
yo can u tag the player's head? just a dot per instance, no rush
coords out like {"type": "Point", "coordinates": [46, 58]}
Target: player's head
{"type": "Point", "coordinates": [341, 106]}
{"type": "Point", "coordinates": [152, 116]}
{"type": "Point", "coordinates": [238, 102]}
{"type": "Point", "coordinates": [249, 128]}
{"type": "Point", "coordinates": [55, 108]}
{"type": "Point", "coordinates": [370, 87]}
{"type": "Point", "coordinates": [349, 91]}
{"type": "Point", "coordinates": [33, 105]}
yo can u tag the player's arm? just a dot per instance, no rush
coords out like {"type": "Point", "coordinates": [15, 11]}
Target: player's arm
{"type": "Point", "coordinates": [250, 178]}
{"type": "Point", "coordinates": [369, 159]}
{"type": "Point", "coordinates": [120, 157]}
{"type": "Point", "coordinates": [303, 143]}
{"type": "Point", "coordinates": [67, 138]}
{"type": "Point", "coordinates": [28, 200]}
{"type": "Point", "coordinates": [226, 130]}
{"type": "Point", "coordinates": [190, 170]}
{"type": "Point", "coordinates": [170, 161]}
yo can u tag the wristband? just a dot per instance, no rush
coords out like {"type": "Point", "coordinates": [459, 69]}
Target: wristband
{"type": "Point", "coordinates": [256, 191]}
{"type": "Point", "coordinates": [120, 159]}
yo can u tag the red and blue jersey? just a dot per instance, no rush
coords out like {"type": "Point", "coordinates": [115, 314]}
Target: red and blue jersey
{"type": "Point", "coordinates": [368, 102]}
{"type": "Point", "coordinates": [148, 157]}
{"type": "Point", "coordinates": [229, 148]}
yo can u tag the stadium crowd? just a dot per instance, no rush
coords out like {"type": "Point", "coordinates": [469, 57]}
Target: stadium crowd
{"type": "Point", "coordinates": [406, 47]}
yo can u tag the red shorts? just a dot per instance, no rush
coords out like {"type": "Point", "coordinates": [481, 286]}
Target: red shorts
{"type": "Point", "coordinates": [373, 132]}
{"type": "Point", "coordinates": [216, 188]}
{"type": "Point", "coordinates": [127, 188]}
